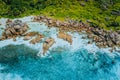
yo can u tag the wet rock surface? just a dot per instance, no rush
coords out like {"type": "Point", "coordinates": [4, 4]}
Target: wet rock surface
{"type": "Point", "coordinates": [36, 39]}
{"type": "Point", "coordinates": [65, 37]}
{"type": "Point", "coordinates": [103, 38]}
{"type": "Point", "coordinates": [47, 44]}
{"type": "Point", "coordinates": [27, 38]}
{"type": "Point", "coordinates": [14, 29]}
{"type": "Point", "coordinates": [106, 38]}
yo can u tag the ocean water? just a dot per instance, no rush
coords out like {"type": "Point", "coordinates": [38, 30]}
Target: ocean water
{"type": "Point", "coordinates": [79, 61]}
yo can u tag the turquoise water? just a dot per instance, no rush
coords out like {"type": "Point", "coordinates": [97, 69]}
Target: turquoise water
{"type": "Point", "coordinates": [79, 61]}
{"type": "Point", "coordinates": [80, 65]}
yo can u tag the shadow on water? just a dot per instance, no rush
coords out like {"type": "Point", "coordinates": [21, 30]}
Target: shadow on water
{"type": "Point", "coordinates": [80, 65]}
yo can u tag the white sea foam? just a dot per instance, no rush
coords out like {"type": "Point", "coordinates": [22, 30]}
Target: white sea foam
{"type": "Point", "coordinates": [3, 21]}
{"type": "Point", "coordinates": [9, 76]}
{"type": "Point", "coordinates": [78, 42]}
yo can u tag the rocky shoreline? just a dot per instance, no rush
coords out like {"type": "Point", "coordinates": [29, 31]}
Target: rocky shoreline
{"type": "Point", "coordinates": [14, 29]}
{"type": "Point", "coordinates": [17, 28]}
{"type": "Point", "coordinates": [102, 38]}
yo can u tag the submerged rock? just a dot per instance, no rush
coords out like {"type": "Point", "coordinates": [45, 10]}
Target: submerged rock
{"type": "Point", "coordinates": [9, 21]}
{"type": "Point", "coordinates": [12, 53]}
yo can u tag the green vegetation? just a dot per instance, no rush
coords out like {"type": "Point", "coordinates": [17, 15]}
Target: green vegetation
{"type": "Point", "coordinates": [101, 13]}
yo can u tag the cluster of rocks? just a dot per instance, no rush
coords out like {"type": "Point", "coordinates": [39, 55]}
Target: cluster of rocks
{"type": "Point", "coordinates": [29, 35]}
{"type": "Point", "coordinates": [102, 37]}
{"type": "Point", "coordinates": [14, 29]}
{"type": "Point", "coordinates": [17, 28]}
{"type": "Point", "coordinates": [34, 37]}
{"type": "Point", "coordinates": [68, 25]}
{"type": "Point", "coordinates": [106, 38]}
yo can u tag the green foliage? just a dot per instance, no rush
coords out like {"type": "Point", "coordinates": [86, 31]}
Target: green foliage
{"type": "Point", "coordinates": [97, 11]}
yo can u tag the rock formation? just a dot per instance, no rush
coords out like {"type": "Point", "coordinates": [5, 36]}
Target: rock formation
{"type": "Point", "coordinates": [36, 39]}
{"type": "Point", "coordinates": [14, 29]}
{"type": "Point", "coordinates": [29, 35]}
{"type": "Point", "coordinates": [47, 44]}
{"type": "Point", "coordinates": [27, 38]}
{"type": "Point", "coordinates": [103, 38]}
{"type": "Point", "coordinates": [106, 38]}
{"type": "Point", "coordinates": [65, 37]}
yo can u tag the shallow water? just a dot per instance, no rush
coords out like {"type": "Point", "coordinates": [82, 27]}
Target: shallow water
{"type": "Point", "coordinates": [79, 61]}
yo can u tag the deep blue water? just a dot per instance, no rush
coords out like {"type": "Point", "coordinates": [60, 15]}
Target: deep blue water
{"type": "Point", "coordinates": [78, 65]}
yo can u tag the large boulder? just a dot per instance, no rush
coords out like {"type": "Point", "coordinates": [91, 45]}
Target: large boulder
{"type": "Point", "coordinates": [58, 23]}
{"type": "Point", "coordinates": [17, 27]}
{"type": "Point", "coordinates": [27, 38]}
{"type": "Point", "coordinates": [36, 39]}
{"type": "Point", "coordinates": [47, 44]}
{"type": "Point", "coordinates": [50, 21]}
{"type": "Point", "coordinates": [65, 37]}
{"type": "Point", "coordinates": [9, 21]}
{"type": "Point", "coordinates": [13, 31]}
{"type": "Point", "coordinates": [115, 37]}
{"type": "Point", "coordinates": [31, 34]}
{"type": "Point", "coordinates": [8, 33]}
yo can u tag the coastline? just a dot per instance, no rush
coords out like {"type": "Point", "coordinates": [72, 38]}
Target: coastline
{"type": "Point", "coordinates": [103, 38]}
{"type": "Point", "coordinates": [79, 54]}
{"type": "Point", "coordinates": [60, 40]}
{"type": "Point", "coordinates": [72, 27]}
